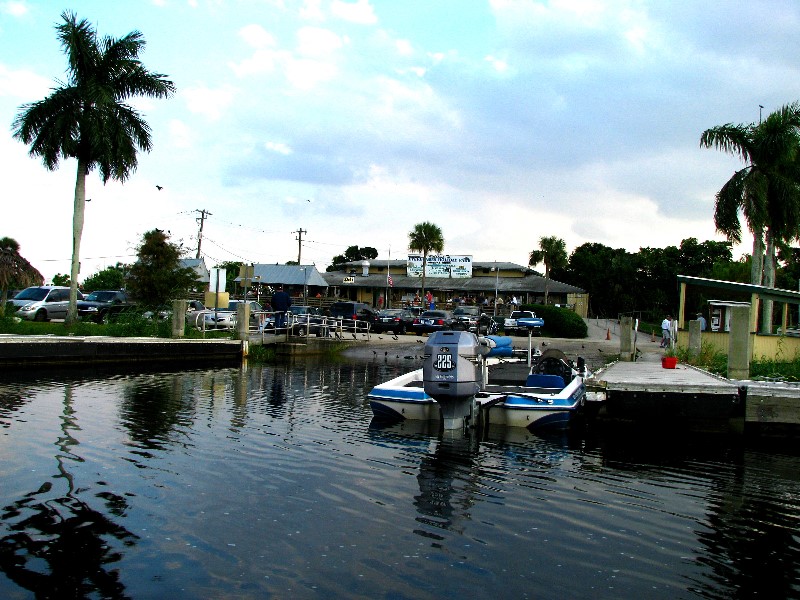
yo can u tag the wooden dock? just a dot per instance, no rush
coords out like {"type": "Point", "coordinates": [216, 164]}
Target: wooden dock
{"type": "Point", "coordinates": [692, 399]}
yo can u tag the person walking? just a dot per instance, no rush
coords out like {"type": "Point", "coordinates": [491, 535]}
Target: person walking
{"type": "Point", "coordinates": [666, 331]}
{"type": "Point", "coordinates": [702, 320]}
{"type": "Point", "coordinates": [281, 301]}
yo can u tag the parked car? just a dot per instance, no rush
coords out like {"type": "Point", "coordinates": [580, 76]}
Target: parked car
{"type": "Point", "coordinates": [513, 326]}
{"type": "Point", "coordinates": [469, 317]}
{"type": "Point", "coordinates": [226, 318]}
{"type": "Point", "coordinates": [415, 310]}
{"type": "Point", "coordinates": [305, 320]}
{"type": "Point", "coordinates": [396, 320]}
{"type": "Point", "coordinates": [103, 305]}
{"type": "Point", "coordinates": [356, 311]}
{"type": "Point", "coordinates": [43, 303]}
{"type": "Point", "coordinates": [193, 307]}
{"type": "Point", "coordinates": [433, 320]}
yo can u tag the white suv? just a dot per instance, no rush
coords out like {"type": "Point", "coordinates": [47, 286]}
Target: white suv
{"type": "Point", "coordinates": [42, 303]}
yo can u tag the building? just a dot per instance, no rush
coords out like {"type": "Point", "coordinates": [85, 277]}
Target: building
{"type": "Point", "coordinates": [469, 282]}
{"type": "Point", "coordinates": [198, 265]}
{"type": "Point", "coordinates": [299, 280]}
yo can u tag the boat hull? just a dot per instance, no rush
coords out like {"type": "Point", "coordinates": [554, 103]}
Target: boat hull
{"type": "Point", "coordinates": [531, 408]}
{"type": "Point", "coordinates": [534, 411]}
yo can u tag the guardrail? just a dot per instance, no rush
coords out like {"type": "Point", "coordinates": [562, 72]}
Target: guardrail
{"type": "Point", "coordinates": [263, 323]}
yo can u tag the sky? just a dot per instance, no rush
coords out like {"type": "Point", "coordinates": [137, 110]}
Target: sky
{"type": "Point", "coordinates": [501, 121]}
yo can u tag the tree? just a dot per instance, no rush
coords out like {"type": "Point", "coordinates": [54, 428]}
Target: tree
{"type": "Point", "coordinates": [766, 190]}
{"type": "Point", "coordinates": [15, 271]}
{"type": "Point", "coordinates": [61, 279]}
{"type": "Point", "coordinates": [88, 117]}
{"type": "Point", "coordinates": [231, 273]}
{"type": "Point", "coordinates": [352, 254]}
{"type": "Point", "coordinates": [157, 277]}
{"type": "Point", "coordinates": [425, 237]}
{"type": "Point", "coordinates": [110, 278]}
{"type": "Point", "coordinates": [552, 252]}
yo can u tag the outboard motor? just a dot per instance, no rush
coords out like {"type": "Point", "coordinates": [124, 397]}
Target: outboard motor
{"type": "Point", "coordinates": [451, 375]}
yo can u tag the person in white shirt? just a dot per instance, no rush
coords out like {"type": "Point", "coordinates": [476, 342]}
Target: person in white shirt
{"type": "Point", "coordinates": [666, 328]}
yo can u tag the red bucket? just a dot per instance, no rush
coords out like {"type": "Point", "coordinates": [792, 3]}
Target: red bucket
{"type": "Point", "coordinates": [669, 362]}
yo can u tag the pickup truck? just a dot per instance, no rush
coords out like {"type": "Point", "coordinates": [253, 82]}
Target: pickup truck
{"type": "Point", "coordinates": [522, 321]}
{"type": "Point", "coordinates": [103, 305]}
{"type": "Point", "coordinates": [468, 316]}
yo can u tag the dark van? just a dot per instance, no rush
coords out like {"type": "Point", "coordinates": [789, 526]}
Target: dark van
{"type": "Point", "coordinates": [357, 311]}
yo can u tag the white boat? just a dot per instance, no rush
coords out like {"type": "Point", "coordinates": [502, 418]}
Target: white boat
{"type": "Point", "coordinates": [549, 394]}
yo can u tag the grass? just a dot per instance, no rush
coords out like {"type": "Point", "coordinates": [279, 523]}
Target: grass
{"type": "Point", "coordinates": [716, 362]}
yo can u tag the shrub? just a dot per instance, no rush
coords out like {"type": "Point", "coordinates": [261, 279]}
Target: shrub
{"type": "Point", "coordinates": [559, 322]}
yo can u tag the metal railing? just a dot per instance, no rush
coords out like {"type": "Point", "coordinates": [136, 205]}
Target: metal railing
{"type": "Point", "coordinates": [303, 325]}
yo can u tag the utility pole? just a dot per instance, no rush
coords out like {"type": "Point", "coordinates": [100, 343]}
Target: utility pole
{"type": "Point", "coordinates": [203, 214]}
{"type": "Point", "coordinates": [299, 239]}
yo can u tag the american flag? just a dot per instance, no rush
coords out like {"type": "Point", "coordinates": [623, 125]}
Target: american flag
{"type": "Point", "coordinates": [389, 280]}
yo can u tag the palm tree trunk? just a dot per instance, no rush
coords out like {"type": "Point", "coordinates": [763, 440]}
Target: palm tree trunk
{"type": "Point", "coordinates": [546, 284]}
{"type": "Point", "coordinates": [424, 264]}
{"type": "Point", "coordinates": [769, 281]}
{"type": "Point", "coordinates": [757, 259]}
{"type": "Point", "coordinates": [77, 231]}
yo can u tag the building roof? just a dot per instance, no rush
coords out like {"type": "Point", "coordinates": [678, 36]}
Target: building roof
{"type": "Point", "coordinates": [198, 265]}
{"type": "Point", "coordinates": [287, 275]}
{"type": "Point", "coordinates": [777, 294]}
{"type": "Point", "coordinates": [531, 283]}
{"type": "Point", "coordinates": [378, 263]}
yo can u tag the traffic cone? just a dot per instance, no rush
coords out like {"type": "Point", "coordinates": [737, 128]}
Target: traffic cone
{"type": "Point", "coordinates": [608, 333]}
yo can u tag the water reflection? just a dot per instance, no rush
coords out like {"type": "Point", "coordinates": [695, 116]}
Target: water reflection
{"type": "Point", "coordinates": [58, 545]}
{"type": "Point", "coordinates": [275, 481]}
{"type": "Point", "coordinates": [447, 484]}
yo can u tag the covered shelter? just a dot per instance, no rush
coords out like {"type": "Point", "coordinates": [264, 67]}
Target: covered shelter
{"type": "Point", "coordinates": [369, 281]}
{"type": "Point", "coordinates": [298, 280]}
{"type": "Point", "coordinates": [781, 341]}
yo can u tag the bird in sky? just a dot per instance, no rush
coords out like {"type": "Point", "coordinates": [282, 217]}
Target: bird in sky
{"type": "Point", "coordinates": [159, 188]}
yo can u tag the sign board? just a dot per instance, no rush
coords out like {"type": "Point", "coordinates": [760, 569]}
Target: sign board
{"type": "Point", "coordinates": [246, 274]}
{"type": "Point", "coordinates": [217, 276]}
{"type": "Point", "coordinates": [212, 300]}
{"type": "Point", "coordinates": [453, 266]}
{"type": "Point", "coordinates": [349, 280]}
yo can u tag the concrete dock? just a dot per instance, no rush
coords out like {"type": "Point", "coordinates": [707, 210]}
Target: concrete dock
{"type": "Point", "coordinates": [31, 350]}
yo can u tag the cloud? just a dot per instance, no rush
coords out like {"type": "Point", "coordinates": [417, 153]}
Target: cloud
{"type": "Point", "coordinates": [24, 85]}
{"type": "Point", "coordinates": [360, 12]}
{"type": "Point", "coordinates": [15, 9]}
{"type": "Point", "coordinates": [256, 36]}
{"type": "Point", "coordinates": [180, 134]}
{"type": "Point", "coordinates": [209, 102]}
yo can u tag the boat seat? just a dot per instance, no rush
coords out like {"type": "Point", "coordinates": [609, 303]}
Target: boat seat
{"type": "Point", "coordinates": [545, 381]}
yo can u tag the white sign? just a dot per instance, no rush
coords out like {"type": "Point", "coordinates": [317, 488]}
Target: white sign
{"type": "Point", "coordinates": [440, 265]}
{"type": "Point", "coordinates": [215, 276]}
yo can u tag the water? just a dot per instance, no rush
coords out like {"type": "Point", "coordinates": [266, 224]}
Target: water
{"type": "Point", "coordinates": [272, 482]}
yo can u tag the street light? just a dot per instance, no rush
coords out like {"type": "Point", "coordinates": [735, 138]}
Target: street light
{"type": "Point", "coordinates": [496, 284]}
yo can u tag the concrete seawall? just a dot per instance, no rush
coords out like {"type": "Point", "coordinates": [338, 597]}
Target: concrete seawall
{"type": "Point", "coordinates": [16, 351]}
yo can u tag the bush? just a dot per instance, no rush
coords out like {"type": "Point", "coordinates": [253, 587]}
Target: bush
{"type": "Point", "coordinates": [559, 322]}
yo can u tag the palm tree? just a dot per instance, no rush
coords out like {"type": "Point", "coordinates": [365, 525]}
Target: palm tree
{"type": "Point", "coordinates": [88, 119]}
{"type": "Point", "coordinates": [14, 270]}
{"type": "Point", "coordinates": [766, 190]}
{"type": "Point", "coordinates": [552, 252]}
{"type": "Point", "coordinates": [425, 237]}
